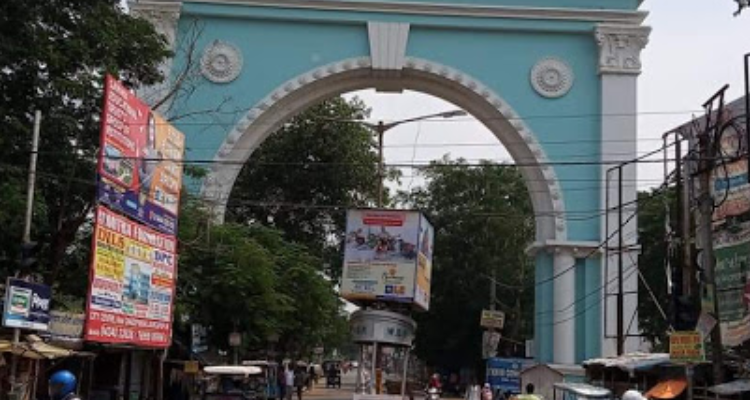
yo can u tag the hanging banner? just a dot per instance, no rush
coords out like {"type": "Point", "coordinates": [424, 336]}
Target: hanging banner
{"type": "Point", "coordinates": [732, 251]}
{"type": "Point", "coordinates": [132, 281]}
{"type": "Point", "coordinates": [140, 165]}
{"type": "Point", "coordinates": [26, 305]}
{"type": "Point", "coordinates": [382, 257]}
{"type": "Point", "coordinates": [729, 183]}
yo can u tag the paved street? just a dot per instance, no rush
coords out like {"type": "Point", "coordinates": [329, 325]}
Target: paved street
{"type": "Point", "coordinates": [320, 392]}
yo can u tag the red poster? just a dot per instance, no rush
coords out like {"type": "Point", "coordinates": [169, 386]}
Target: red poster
{"type": "Point", "coordinates": [132, 283]}
{"type": "Point", "coordinates": [140, 168]}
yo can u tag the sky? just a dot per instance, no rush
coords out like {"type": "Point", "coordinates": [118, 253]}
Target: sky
{"type": "Point", "coordinates": [695, 47]}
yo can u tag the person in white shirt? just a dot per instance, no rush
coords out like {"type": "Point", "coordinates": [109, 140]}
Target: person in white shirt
{"type": "Point", "coordinates": [289, 383]}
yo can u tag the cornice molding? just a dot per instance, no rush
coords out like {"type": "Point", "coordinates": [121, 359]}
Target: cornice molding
{"type": "Point", "coordinates": [451, 10]}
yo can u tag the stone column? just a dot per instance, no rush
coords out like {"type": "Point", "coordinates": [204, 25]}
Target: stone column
{"type": "Point", "coordinates": [619, 66]}
{"type": "Point", "coordinates": [564, 306]}
{"type": "Point", "coordinates": [164, 16]}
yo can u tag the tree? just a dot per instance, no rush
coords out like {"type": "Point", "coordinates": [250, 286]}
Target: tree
{"type": "Point", "coordinates": [652, 234]}
{"type": "Point", "coordinates": [305, 175]}
{"type": "Point", "coordinates": [53, 57]}
{"type": "Point", "coordinates": [483, 222]}
{"type": "Point", "coordinates": [249, 278]}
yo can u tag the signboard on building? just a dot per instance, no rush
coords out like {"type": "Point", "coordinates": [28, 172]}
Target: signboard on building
{"type": "Point", "coordinates": [490, 340]}
{"type": "Point", "coordinates": [140, 167]}
{"type": "Point", "coordinates": [132, 281]}
{"type": "Point", "coordinates": [505, 373]}
{"type": "Point", "coordinates": [492, 319]}
{"type": "Point", "coordinates": [26, 305]}
{"type": "Point", "coordinates": [388, 257]}
{"type": "Point", "coordinates": [686, 346]}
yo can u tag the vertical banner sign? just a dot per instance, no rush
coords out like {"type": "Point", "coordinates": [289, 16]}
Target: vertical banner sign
{"type": "Point", "coordinates": [140, 168]}
{"type": "Point", "coordinates": [729, 183]}
{"type": "Point", "coordinates": [132, 283]}
{"type": "Point", "coordinates": [26, 305]}
{"type": "Point", "coordinates": [732, 251]}
{"type": "Point", "coordinates": [382, 257]}
{"type": "Point", "coordinates": [424, 264]}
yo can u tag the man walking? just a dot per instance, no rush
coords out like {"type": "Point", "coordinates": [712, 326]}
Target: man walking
{"type": "Point", "coordinates": [288, 383]}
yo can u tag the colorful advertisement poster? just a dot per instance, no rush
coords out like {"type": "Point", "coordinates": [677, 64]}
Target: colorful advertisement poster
{"type": "Point", "coordinates": [26, 305]}
{"type": "Point", "coordinates": [132, 281]}
{"type": "Point", "coordinates": [381, 256]}
{"type": "Point", "coordinates": [732, 251]}
{"type": "Point", "coordinates": [424, 264]}
{"type": "Point", "coordinates": [729, 184]}
{"type": "Point", "coordinates": [140, 167]}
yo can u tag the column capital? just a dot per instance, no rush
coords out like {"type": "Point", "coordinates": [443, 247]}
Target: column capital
{"type": "Point", "coordinates": [620, 48]}
{"type": "Point", "coordinates": [163, 15]}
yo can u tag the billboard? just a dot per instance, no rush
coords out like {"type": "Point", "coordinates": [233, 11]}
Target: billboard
{"type": "Point", "coordinates": [132, 282]}
{"type": "Point", "coordinates": [140, 165]}
{"type": "Point", "coordinates": [686, 346]}
{"type": "Point", "coordinates": [26, 305]}
{"type": "Point", "coordinates": [381, 257]}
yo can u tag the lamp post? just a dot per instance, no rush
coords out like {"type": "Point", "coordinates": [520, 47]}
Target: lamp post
{"type": "Point", "coordinates": [380, 128]}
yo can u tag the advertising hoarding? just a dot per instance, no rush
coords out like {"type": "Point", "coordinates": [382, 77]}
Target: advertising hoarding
{"type": "Point", "coordinates": [492, 319]}
{"type": "Point", "coordinates": [26, 305]}
{"type": "Point", "coordinates": [140, 167]}
{"type": "Point", "coordinates": [132, 281]}
{"type": "Point", "coordinates": [382, 254]}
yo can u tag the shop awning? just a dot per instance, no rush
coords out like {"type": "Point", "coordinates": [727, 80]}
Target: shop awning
{"type": "Point", "coordinates": [33, 347]}
{"type": "Point", "coordinates": [731, 388]}
{"type": "Point", "coordinates": [668, 389]}
{"type": "Point", "coordinates": [630, 362]}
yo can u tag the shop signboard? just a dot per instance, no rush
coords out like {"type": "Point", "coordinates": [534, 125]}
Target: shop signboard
{"type": "Point", "coordinates": [686, 346]}
{"type": "Point", "coordinates": [132, 283]}
{"type": "Point", "coordinates": [505, 373]}
{"type": "Point", "coordinates": [382, 257]}
{"type": "Point", "coordinates": [199, 338]}
{"type": "Point", "coordinates": [140, 165]}
{"type": "Point", "coordinates": [26, 305]}
{"type": "Point", "coordinates": [729, 184]}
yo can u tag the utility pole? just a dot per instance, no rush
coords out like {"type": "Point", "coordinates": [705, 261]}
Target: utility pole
{"type": "Point", "coordinates": [706, 165]}
{"type": "Point", "coordinates": [380, 129]}
{"type": "Point", "coordinates": [27, 229]}
{"type": "Point", "coordinates": [620, 286]}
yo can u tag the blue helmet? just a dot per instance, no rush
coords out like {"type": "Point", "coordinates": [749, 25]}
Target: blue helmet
{"type": "Point", "coordinates": [61, 384]}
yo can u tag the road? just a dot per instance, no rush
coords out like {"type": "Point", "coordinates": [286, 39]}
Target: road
{"type": "Point", "coordinates": [320, 392]}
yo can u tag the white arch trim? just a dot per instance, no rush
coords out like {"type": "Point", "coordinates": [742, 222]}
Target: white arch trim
{"type": "Point", "coordinates": [298, 93]}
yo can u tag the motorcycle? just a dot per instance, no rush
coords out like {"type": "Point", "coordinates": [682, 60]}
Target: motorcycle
{"type": "Point", "coordinates": [433, 394]}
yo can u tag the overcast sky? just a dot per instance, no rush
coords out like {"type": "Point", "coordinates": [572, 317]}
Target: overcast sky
{"type": "Point", "coordinates": [696, 46]}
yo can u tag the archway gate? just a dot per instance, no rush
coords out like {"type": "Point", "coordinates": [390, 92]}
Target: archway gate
{"type": "Point", "coordinates": [554, 80]}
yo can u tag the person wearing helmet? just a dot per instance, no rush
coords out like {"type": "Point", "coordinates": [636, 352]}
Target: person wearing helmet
{"type": "Point", "coordinates": [62, 386]}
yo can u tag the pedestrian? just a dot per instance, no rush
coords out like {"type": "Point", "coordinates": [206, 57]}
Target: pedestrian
{"type": "Point", "coordinates": [529, 395]}
{"type": "Point", "coordinates": [62, 386]}
{"type": "Point", "coordinates": [288, 383]}
{"type": "Point", "coordinates": [487, 392]}
{"type": "Point", "coordinates": [299, 381]}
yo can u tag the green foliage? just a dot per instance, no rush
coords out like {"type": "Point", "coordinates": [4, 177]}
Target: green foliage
{"type": "Point", "coordinates": [484, 221]}
{"type": "Point", "coordinates": [305, 175]}
{"type": "Point", "coordinates": [53, 57]}
{"type": "Point", "coordinates": [652, 234]}
{"type": "Point", "coordinates": [250, 278]}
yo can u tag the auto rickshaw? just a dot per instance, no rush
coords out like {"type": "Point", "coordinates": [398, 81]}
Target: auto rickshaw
{"type": "Point", "coordinates": [230, 382]}
{"type": "Point", "coordinates": [267, 382]}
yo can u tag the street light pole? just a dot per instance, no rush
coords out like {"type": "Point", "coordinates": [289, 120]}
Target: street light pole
{"type": "Point", "coordinates": [381, 128]}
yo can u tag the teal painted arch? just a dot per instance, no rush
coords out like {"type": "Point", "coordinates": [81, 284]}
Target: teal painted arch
{"type": "Point", "coordinates": [304, 90]}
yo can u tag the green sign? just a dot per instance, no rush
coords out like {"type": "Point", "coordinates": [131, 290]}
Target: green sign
{"type": "Point", "coordinates": [732, 267]}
